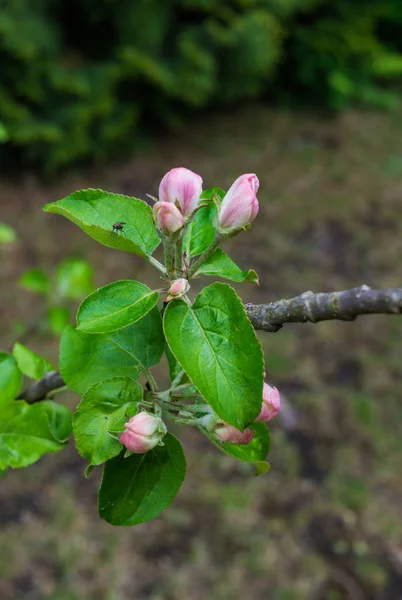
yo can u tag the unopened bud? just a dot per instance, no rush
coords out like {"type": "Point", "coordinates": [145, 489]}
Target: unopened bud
{"type": "Point", "coordinates": [143, 432]}
{"type": "Point", "coordinates": [167, 217]}
{"type": "Point", "coordinates": [231, 435]}
{"type": "Point", "coordinates": [178, 288]}
{"type": "Point", "coordinates": [240, 205]}
{"type": "Point", "coordinates": [271, 403]}
{"type": "Point", "coordinates": [182, 186]}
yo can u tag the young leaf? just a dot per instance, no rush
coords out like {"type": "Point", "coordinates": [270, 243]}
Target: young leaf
{"type": "Point", "coordinates": [35, 280]}
{"type": "Point", "coordinates": [115, 306]}
{"type": "Point", "coordinates": [31, 364]}
{"type": "Point", "coordinates": [74, 279]}
{"type": "Point", "coordinates": [215, 343]}
{"type": "Point", "coordinates": [220, 264]}
{"type": "Point", "coordinates": [254, 452]}
{"type": "Point", "coordinates": [86, 358]}
{"type": "Point", "coordinates": [7, 233]}
{"type": "Point", "coordinates": [96, 211]}
{"type": "Point", "coordinates": [105, 407]}
{"type": "Point", "coordinates": [10, 377]}
{"type": "Point", "coordinates": [200, 232]}
{"type": "Point", "coordinates": [59, 419]}
{"type": "Point", "coordinates": [139, 488]}
{"type": "Point", "coordinates": [28, 431]}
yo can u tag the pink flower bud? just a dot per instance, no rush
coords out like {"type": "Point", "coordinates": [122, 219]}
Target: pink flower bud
{"type": "Point", "coordinates": [271, 403]}
{"type": "Point", "coordinates": [167, 217]}
{"type": "Point", "coordinates": [183, 186]}
{"type": "Point", "coordinates": [178, 288]}
{"type": "Point", "coordinates": [240, 205]}
{"type": "Point", "coordinates": [231, 435]}
{"type": "Point", "coordinates": [143, 432]}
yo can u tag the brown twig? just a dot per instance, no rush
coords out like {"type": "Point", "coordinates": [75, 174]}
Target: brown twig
{"type": "Point", "coordinates": [308, 307]}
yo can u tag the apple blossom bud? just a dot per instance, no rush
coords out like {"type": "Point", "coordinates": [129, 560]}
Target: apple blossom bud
{"type": "Point", "coordinates": [167, 217]}
{"type": "Point", "coordinates": [182, 186]}
{"type": "Point", "coordinates": [231, 435]}
{"type": "Point", "coordinates": [271, 403]}
{"type": "Point", "coordinates": [240, 205]}
{"type": "Point", "coordinates": [178, 288]}
{"type": "Point", "coordinates": [143, 432]}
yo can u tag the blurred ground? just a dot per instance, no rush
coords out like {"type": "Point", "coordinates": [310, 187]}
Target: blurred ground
{"type": "Point", "coordinates": [324, 524]}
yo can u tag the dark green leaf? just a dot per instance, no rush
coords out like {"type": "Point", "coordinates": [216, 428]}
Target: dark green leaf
{"type": "Point", "coordinates": [96, 211]}
{"type": "Point", "coordinates": [35, 280]}
{"type": "Point", "coordinates": [216, 345]}
{"type": "Point", "coordinates": [139, 488]}
{"type": "Point", "coordinates": [28, 431]}
{"type": "Point", "coordinates": [87, 358]}
{"type": "Point", "coordinates": [31, 364]}
{"type": "Point", "coordinates": [220, 265]}
{"type": "Point", "coordinates": [105, 407]}
{"type": "Point", "coordinates": [10, 377]}
{"type": "Point", "coordinates": [74, 279]}
{"type": "Point", "coordinates": [115, 306]}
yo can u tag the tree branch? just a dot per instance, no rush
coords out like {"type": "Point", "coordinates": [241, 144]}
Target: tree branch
{"type": "Point", "coordinates": [308, 307]}
{"type": "Point", "coordinates": [39, 390]}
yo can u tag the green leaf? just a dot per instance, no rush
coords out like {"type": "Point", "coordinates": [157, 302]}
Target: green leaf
{"type": "Point", "coordinates": [59, 418]}
{"type": "Point", "coordinates": [7, 234]}
{"type": "Point", "coordinates": [220, 264]}
{"type": "Point", "coordinates": [105, 407]}
{"type": "Point", "coordinates": [86, 358]}
{"type": "Point", "coordinates": [216, 345]}
{"type": "Point", "coordinates": [96, 211]}
{"type": "Point", "coordinates": [200, 232]}
{"type": "Point", "coordinates": [10, 377]}
{"type": "Point", "coordinates": [115, 306]}
{"type": "Point", "coordinates": [59, 317]}
{"type": "Point", "coordinates": [139, 488]}
{"type": "Point", "coordinates": [3, 134]}
{"type": "Point", "coordinates": [261, 467]}
{"type": "Point", "coordinates": [255, 451]}
{"type": "Point", "coordinates": [74, 279]}
{"type": "Point", "coordinates": [35, 280]}
{"type": "Point", "coordinates": [28, 431]}
{"type": "Point", "coordinates": [31, 364]}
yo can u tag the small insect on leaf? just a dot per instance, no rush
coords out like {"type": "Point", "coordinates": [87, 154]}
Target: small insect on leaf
{"type": "Point", "coordinates": [119, 226]}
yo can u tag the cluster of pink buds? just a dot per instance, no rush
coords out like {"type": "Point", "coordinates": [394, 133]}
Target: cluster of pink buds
{"type": "Point", "coordinates": [179, 196]}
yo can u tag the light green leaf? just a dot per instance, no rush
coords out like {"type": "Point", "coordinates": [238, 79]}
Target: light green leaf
{"type": "Point", "coordinates": [96, 211]}
{"type": "Point", "coordinates": [105, 407]}
{"type": "Point", "coordinates": [139, 488]}
{"type": "Point", "coordinates": [115, 306]}
{"type": "Point", "coordinates": [74, 279]}
{"type": "Point", "coordinates": [35, 280]}
{"type": "Point", "coordinates": [28, 431]}
{"type": "Point", "coordinates": [87, 358]}
{"type": "Point", "coordinates": [216, 345]}
{"type": "Point", "coordinates": [200, 232]}
{"type": "Point", "coordinates": [7, 234]}
{"type": "Point", "coordinates": [220, 264]}
{"type": "Point", "coordinates": [31, 364]}
{"type": "Point", "coordinates": [261, 467]}
{"type": "Point", "coordinates": [59, 317]}
{"type": "Point", "coordinates": [10, 377]}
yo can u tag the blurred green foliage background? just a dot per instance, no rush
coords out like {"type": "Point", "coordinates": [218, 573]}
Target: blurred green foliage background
{"type": "Point", "coordinates": [83, 80]}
